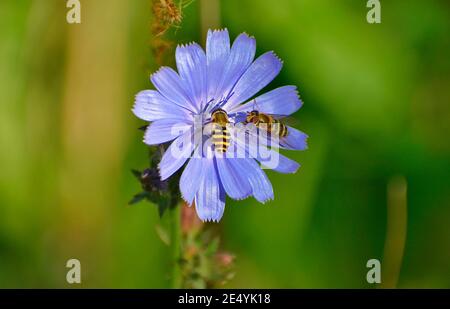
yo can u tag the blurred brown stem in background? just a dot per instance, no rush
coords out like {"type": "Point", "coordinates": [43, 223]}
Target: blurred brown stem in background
{"type": "Point", "coordinates": [91, 162]}
{"type": "Point", "coordinates": [209, 16]}
{"type": "Point", "coordinates": [395, 231]}
{"type": "Point", "coordinates": [189, 220]}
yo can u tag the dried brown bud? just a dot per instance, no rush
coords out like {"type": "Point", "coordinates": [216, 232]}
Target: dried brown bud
{"type": "Point", "coordinates": [166, 14]}
{"type": "Point", "coordinates": [225, 259]}
{"type": "Point", "coordinates": [189, 219]}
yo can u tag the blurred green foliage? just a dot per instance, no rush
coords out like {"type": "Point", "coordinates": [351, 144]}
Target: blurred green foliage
{"type": "Point", "coordinates": [376, 106]}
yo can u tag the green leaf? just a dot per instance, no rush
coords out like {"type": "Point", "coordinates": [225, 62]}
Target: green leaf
{"type": "Point", "coordinates": [136, 174]}
{"type": "Point", "coordinates": [212, 247]}
{"type": "Point", "coordinates": [137, 198]}
{"type": "Point", "coordinates": [163, 234]}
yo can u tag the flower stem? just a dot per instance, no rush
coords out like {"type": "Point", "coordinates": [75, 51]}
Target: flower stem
{"type": "Point", "coordinates": [396, 229]}
{"type": "Point", "coordinates": [175, 246]}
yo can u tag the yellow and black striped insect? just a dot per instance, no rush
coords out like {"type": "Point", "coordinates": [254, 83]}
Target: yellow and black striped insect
{"type": "Point", "coordinates": [220, 133]}
{"type": "Point", "coordinates": [268, 122]}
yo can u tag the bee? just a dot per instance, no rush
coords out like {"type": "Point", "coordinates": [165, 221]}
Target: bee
{"type": "Point", "coordinates": [220, 133]}
{"type": "Point", "coordinates": [272, 125]}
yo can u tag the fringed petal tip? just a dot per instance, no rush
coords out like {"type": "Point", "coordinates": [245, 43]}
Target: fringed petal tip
{"type": "Point", "coordinates": [276, 56]}
{"type": "Point", "coordinates": [188, 45]}
{"type": "Point", "coordinates": [268, 200]}
{"type": "Point", "coordinates": [161, 173]}
{"type": "Point", "coordinates": [211, 31]}
{"type": "Point", "coordinates": [246, 38]}
{"type": "Point", "coordinates": [140, 94]}
{"type": "Point", "coordinates": [210, 219]}
{"type": "Point", "coordinates": [165, 174]}
{"type": "Point", "coordinates": [248, 35]}
{"type": "Point", "coordinates": [160, 70]}
{"type": "Point", "coordinates": [139, 101]}
{"type": "Point", "coordinates": [306, 141]}
{"type": "Point", "coordinates": [186, 200]}
{"type": "Point", "coordinates": [297, 94]}
{"type": "Point", "coordinates": [188, 203]}
{"type": "Point", "coordinates": [156, 72]}
{"type": "Point", "coordinates": [243, 197]}
{"type": "Point", "coordinates": [135, 111]}
{"type": "Point", "coordinates": [300, 101]}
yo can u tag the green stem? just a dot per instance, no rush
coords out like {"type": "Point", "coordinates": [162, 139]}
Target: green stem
{"type": "Point", "coordinates": [175, 246]}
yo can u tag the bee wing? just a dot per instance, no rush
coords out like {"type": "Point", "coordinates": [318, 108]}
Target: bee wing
{"type": "Point", "coordinates": [262, 137]}
{"type": "Point", "coordinates": [287, 120]}
{"type": "Point", "coordinates": [239, 117]}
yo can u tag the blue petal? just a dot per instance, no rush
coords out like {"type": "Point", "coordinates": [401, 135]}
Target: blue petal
{"type": "Point", "coordinates": [210, 198]}
{"type": "Point", "coordinates": [277, 162]}
{"type": "Point", "coordinates": [191, 178]}
{"type": "Point", "coordinates": [280, 101]}
{"type": "Point", "coordinates": [268, 157]}
{"type": "Point", "coordinates": [295, 140]}
{"type": "Point", "coordinates": [191, 64]}
{"type": "Point", "coordinates": [260, 184]}
{"type": "Point", "coordinates": [176, 155]}
{"type": "Point", "coordinates": [285, 165]}
{"type": "Point", "coordinates": [150, 105]}
{"type": "Point", "coordinates": [164, 130]}
{"type": "Point", "coordinates": [217, 52]}
{"type": "Point", "coordinates": [241, 56]}
{"type": "Point", "coordinates": [170, 85]}
{"type": "Point", "coordinates": [233, 178]}
{"type": "Point", "coordinates": [262, 71]}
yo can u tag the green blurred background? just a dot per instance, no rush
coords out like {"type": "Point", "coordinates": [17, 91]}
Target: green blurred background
{"type": "Point", "coordinates": [376, 108]}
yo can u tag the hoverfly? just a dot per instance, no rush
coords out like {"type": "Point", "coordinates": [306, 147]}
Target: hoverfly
{"type": "Point", "coordinates": [220, 134]}
{"type": "Point", "coordinates": [268, 122]}
{"type": "Point", "coordinates": [272, 125]}
{"type": "Point", "coordinates": [273, 129]}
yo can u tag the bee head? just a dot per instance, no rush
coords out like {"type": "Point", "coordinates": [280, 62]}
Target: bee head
{"type": "Point", "coordinates": [218, 111]}
{"type": "Point", "coordinates": [219, 115]}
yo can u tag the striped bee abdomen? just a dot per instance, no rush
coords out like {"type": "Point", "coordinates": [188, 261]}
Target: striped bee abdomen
{"type": "Point", "coordinates": [220, 134]}
{"type": "Point", "coordinates": [220, 138]}
{"type": "Point", "coordinates": [278, 128]}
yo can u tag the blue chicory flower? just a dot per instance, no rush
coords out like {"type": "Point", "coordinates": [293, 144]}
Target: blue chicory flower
{"type": "Point", "coordinates": [225, 77]}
